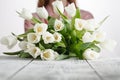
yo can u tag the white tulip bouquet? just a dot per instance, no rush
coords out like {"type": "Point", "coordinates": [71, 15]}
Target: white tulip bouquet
{"type": "Point", "coordinates": [61, 38]}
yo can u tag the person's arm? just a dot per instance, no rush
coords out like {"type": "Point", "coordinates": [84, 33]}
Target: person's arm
{"type": "Point", "coordinates": [86, 15]}
{"type": "Point", "coordinates": [30, 24]}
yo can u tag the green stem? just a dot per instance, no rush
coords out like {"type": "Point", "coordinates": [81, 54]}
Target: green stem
{"type": "Point", "coordinates": [13, 53]}
{"type": "Point", "coordinates": [35, 20]}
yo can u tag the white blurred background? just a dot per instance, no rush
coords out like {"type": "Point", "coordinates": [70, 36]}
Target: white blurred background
{"type": "Point", "coordinates": [11, 22]}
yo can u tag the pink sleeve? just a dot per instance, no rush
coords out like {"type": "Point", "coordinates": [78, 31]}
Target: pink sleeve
{"type": "Point", "coordinates": [29, 24]}
{"type": "Point", "coordinates": [86, 15]}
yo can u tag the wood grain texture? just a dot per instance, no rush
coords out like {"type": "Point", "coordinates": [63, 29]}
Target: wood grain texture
{"type": "Point", "coordinates": [107, 69]}
{"type": "Point", "coordinates": [14, 68]}
{"type": "Point", "coordinates": [57, 70]}
{"type": "Point", "coordinates": [9, 66]}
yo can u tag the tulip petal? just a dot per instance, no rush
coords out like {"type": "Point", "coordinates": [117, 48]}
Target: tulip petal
{"type": "Point", "coordinates": [109, 45]}
{"type": "Point", "coordinates": [42, 12]}
{"type": "Point", "coordinates": [90, 54]}
{"type": "Point", "coordinates": [10, 41]}
{"type": "Point", "coordinates": [58, 5]}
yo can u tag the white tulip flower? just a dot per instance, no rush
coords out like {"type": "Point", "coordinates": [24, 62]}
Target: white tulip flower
{"type": "Point", "coordinates": [40, 28]}
{"type": "Point", "coordinates": [48, 55]}
{"type": "Point", "coordinates": [79, 24]}
{"type": "Point", "coordinates": [71, 10]}
{"type": "Point", "coordinates": [109, 44]}
{"type": "Point", "coordinates": [57, 37]}
{"type": "Point", "coordinates": [99, 36]}
{"type": "Point", "coordinates": [87, 37]}
{"type": "Point", "coordinates": [48, 38]}
{"type": "Point", "coordinates": [10, 41]}
{"type": "Point", "coordinates": [24, 45]}
{"type": "Point", "coordinates": [90, 54]}
{"type": "Point", "coordinates": [90, 25]}
{"type": "Point", "coordinates": [58, 25]}
{"type": "Point", "coordinates": [25, 14]}
{"type": "Point", "coordinates": [56, 54]}
{"type": "Point", "coordinates": [34, 52]}
{"type": "Point", "coordinates": [58, 5]}
{"type": "Point", "coordinates": [33, 37]}
{"type": "Point", "coordinates": [42, 12]}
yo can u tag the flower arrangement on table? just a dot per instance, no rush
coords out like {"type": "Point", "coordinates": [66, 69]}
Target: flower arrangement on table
{"type": "Point", "coordinates": [59, 38]}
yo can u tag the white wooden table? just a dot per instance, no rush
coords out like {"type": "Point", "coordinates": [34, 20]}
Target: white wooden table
{"type": "Point", "coordinates": [14, 68]}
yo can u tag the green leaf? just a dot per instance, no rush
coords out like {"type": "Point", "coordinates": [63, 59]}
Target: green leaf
{"type": "Point", "coordinates": [64, 31]}
{"type": "Point", "coordinates": [71, 54]}
{"type": "Point", "coordinates": [51, 22]}
{"type": "Point", "coordinates": [18, 13]}
{"type": "Point", "coordinates": [46, 46]}
{"type": "Point", "coordinates": [18, 38]}
{"type": "Point", "coordinates": [61, 57]}
{"type": "Point", "coordinates": [13, 53]}
{"type": "Point", "coordinates": [80, 55]}
{"type": "Point", "coordinates": [64, 41]}
{"type": "Point", "coordinates": [60, 44]}
{"type": "Point", "coordinates": [90, 45]}
{"type": "Point", "coordinates": [41, 46]}
{"type": "Point", "coordinates": [74, 36]}
{"type": "Point", "coordinates": [80, 48]}
{"type": "Point", "coordinates": [35, 20]}
{"type": "Point", "coordinates": [24, 55]}
{"type": "Point", "coordinates": [101, 22]}
{"type": "Point", "coordinates": [25, 34]}
{"type": "Point", "coordinates": [77, 15]}
{"type": "Point", "coordinates": [75, 48]}
{"type": "Point", "coordinates": [80, 34]}
{"type": "Point", "coordinates": [84, 46]}
{"type": "Point", "coordinates": [60, 50]}
{"type": "Point", "coordinates": [62, 15]}
{"type": "Point", "coordinates": [96, 42]}
{"type": "Point", "coordinates": [95, 48]}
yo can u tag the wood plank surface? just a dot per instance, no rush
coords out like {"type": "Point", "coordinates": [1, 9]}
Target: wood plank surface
{"type": "Point", "coordinates": [107, 69]}
{"type": "Point", "coordinates": [57, 70]}
{"type": "Point", "coordinates": [9, 66]}
{"type": "Point", "coordinates": [14, 68]}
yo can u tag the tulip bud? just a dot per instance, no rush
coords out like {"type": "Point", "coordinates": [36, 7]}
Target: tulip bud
{"type": "Point", "coordinates": [34, 52]}
{"type": "Point", "coordinates": [10, 41]}
{"type": "Point", "coordinates": [33, 38]}
{"type": "Point", "coordinates": [109, 45]}
{"type": "Point", "coordinates": [58, 26]}
{"type": "Point", "coordinates": [71, 9]}
{"type": "Point", "coordinates": [90, 54]}
{"type": "Point", "coordinates": [42, 12]}
{"type": "Point", "coordinates": [40, 28]}
{"type": "Point", "coordinates": [48, 54]}
{"type": "Point", "coordinates": [58, 5]}
{"type": "Point", "coordinates": [25, 14]}
{"type": "Point", "coordinates": [87, 37]}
